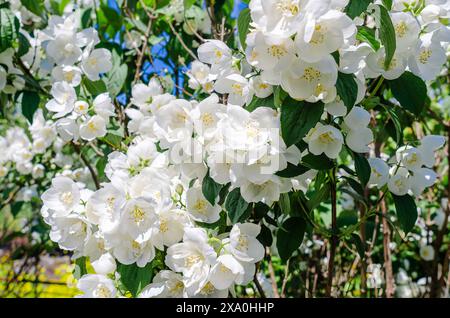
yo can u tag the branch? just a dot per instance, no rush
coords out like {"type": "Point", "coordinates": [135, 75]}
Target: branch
{"type": "Point", "coordinates": [334, 236]}
{"type": "Point", "coordinates": [88, 165]}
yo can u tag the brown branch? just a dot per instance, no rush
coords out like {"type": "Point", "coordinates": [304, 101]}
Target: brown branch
{"type": "Point", "coordinates": [334, 236]}
{"type": "Point", "coordinates": [88, 165]}
{"type": "Point", "coordinates": [272, 274]}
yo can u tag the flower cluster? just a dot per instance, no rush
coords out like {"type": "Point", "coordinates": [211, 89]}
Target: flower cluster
{"type": "Point", "coordinates": [73, 54]}
{"type": "Point", "coordinates": [410, 169]}
{"type": "Point", "coordinates": [18, 150]}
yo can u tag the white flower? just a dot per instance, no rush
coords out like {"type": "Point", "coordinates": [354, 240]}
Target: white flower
{"type": "Point", "coordinates": [225, 272]}
{"type": "Point", "coordinates": [243, 243]}
{"type": "Point", "coordinates": [379, 174]}
{"type": "Point", "coordinates": [428, 145]}
{"type": "Point", "coordinates": [142, 95]}
{"type": "Point", "coordinates": [322, 35]}
{"type": "Point", "coordinates": [92, 128]}
{"type": "Point", "coordinates": [106, 264]}
{"type": "Point", "coordinates": [62, 196]}
{"type": "Point", "coordinates": [271, 53]}
{"type": "Point", "coordinates": [200, 76]}
{"type": "Point", "coordinates": [262, 89]}
{"type": "Point", "coordinates": [206, 116]}
{"type": "Point", "coordinates": [214, 52]}
{"type": "Point", "coordinates": [193, 257]}
{"type": "Point", "coordinates": [166, 284]}
{"type": "Point", "coordinates": [128, 251]}
{"type": "Point", "coordinates": [96, 286]}
{"type": "Point", "coordinates": [103, 105]}
{"type": "Point", "coordinates": [325, 139]}
{"type": "Point", "coordinates": [427, 253]}
{"type": "Point", "coordinates": [81, 107]}
{"type": "Point", "coordinates": [358, 136]}
{"type": "Point", "coordinates": [427, 59]}
{"type": "Point", "coordinates": [67, 129]}
{"type": "Point", "coordinates": [237, 87]}
{"type": "Point", "coordinates": [283, 17]}
{"type": "Point", "coordinates": [336, 108]}
{"type": "Point", "coordinates": [69, 74]}
{"type": "Point", "coordinates": [399, 183]}
{"type": "Point", "coordinates": [407, 30]}
{"type": "Point", "coordinates": [137, 219]}
{"type": "Point", "coordinates": [199, 208]}
{"type": "Point", "coordinates": [376, 65]}
{"type": "Point", "coordinates": [422, 179]}
{"type": "Point", "coordinates": [96, 63]}
{"type": "Point", "coordinates": [64, 97]}
{"type": "Point", "coordinates": [410, 158]}
{"type": "Point", "coordinates": [311, 81]}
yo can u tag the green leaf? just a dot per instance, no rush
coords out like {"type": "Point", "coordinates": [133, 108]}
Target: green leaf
{"type": "Point", "coordinates": [95, 88]}
{"type": "Point", "coordinates": [297, 119]}
{"type": "Point", "coordinates": [115, 141]}
{"type": "Point", "coordinates": [386, 33]}
{"type": "Point", "coordinates": [80, 268]}
{"type": "Point", "coordinates": [210, 189]}
{"type": "Point", "coordinates": [367, 35]}
{"type": "Point", "coordinates": [9, 29]}
{"type": "Point", "coordinates": [397, 124]}
{"type": "Point", "coordinates": [30, 103]}
{"type": "Point", "coordinates": [135, 278]}
{"type": "Point", "coordinates": [285, 203]}
{"type": "Point", "coordinates": [278, 96]}
{"type": "Point", "coordinates": [347, 218]}
{"type": "Point", "coordinates": [292, 171]}
{"type": "Point", "coordinates": [359, 244]}
{"type": "Point", "coordinates": [261, 102]}
{"type": "Point", "coordinates": [116, 79]}
{"type": "Point", "coordinates": [356, 7]}
{"type": "Point", "coordinates": [35, 6]}
{"type": "Point", "coordinates": [236, 206]}
{"type": "Point", "coordinates": [355, 185]}
{"type": "Point", "coordinates": [347, 89]}
{"type": "Point", "coordinates": [290, 236]}
{"type": "Point", "coordinates": [243, 24]}
{"type": "Point", "coordinates": [406, 212]}
{"type": "Point", "coordinates": [24, 45]}
{"type": "Point", "coordinates": [188, 4]}
{"type": "Point", "coordinates": [321, 162]}
{"type": "Point", "coordinates": [410, 91]}
{"type": "Point", "coordinates": [265, 236]}
{"type": "Point", "coordinates": [319, 197]}
{"type": "Point", "coordinates": [362, 168]}
{"type": "Point", "coordinates": [387, 4]}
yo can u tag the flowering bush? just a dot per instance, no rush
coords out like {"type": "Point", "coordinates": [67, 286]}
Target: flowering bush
{"type": "Point", "coordinates": [179, 149]}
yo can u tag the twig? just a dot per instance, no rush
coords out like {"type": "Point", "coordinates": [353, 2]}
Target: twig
{"type": "Point", "coordinates": [272, 274]}
{"type": "Point", "coordinates": [285, 280]}
{"type": "Point", "coordinates": [334, 237]}
{"type": "Point", "coordinates": [180, 39]}
{"type": "Point", "coordinates": [88, 165]}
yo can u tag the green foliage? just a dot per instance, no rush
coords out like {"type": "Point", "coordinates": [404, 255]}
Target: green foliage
{"type": "Point", "coordinates": [410, 91]}
{"type": "Point", "coordinates": [290, 236]}
{"type": "Point", "coordinates": [406, 212]}
{"type": "Point", "coordinates": [236, 206]}
{"type": "Point", "coordinates": [9, 29]}
{"type": "Point", "coordinates": [297, 118]}
{"type": "Point", "coordinates": [135, 278]}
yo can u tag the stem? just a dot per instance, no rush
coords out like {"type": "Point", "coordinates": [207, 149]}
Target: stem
{"type": "Point", "coordinates": [272, 275]}
{"type": "Point", "coordinates": [88, 165]}
{"type": "Point", "coordinates": [377, 88]}
{"type": "Point", "coordinates": [389, 273]}
{"type": "Point", "coordinates": [334, 236]}
{"type": "Point", "coordinates": [436, 282]}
